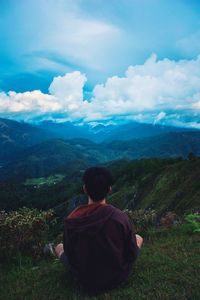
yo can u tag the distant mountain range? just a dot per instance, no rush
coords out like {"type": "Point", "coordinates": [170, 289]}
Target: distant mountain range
{"type": "Point", "coordinates": [55, 155]}
{"type": "Point", "coordinates": [17, 136]}
{"type": "Point", "coordinates": [171, 144]}
{"type": "Point", "coordinates": [102, 133]}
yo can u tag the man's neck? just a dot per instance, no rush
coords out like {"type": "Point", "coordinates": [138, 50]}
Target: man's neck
{"type": "Point", "coordinates": [90, 201]}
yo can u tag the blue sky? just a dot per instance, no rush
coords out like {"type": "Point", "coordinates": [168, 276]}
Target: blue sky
{"type": "Point", "coordinates": [100, 60]}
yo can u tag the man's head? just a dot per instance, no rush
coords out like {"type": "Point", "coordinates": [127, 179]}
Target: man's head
{"type": "Point", "coordinates": [97, 183]}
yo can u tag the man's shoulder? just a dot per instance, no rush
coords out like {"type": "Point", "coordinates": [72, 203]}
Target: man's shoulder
{"type": "Point", "coordinates": [118, 214]}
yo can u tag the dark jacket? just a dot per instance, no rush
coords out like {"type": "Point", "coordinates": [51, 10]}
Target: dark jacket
{"type": "Point", "coordinates": [101, 247]}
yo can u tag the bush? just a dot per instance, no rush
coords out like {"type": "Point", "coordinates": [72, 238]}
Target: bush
{"type": "Point", "coordinates": [142, 219]}
{"type": "Point", "coordinates": [193, 220]}
{"type": "Point", "coordinates": [23, 230]}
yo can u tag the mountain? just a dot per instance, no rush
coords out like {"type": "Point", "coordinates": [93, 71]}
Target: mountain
{"type": "Point", "coordinates": [101, 132]}
{"type": "Point", "coordinates": [67, 130]}
{"type": "Point", "coordinates": [41, 159]}
{"type": "Point", "coordinates": [170, 144]}
{"type": "Point", "coordinates": [54, 155]}
{"type": "Point", "coordinates": [15, 136]}
{"type": "Point", "coordinates": [134, 130]}
{"type": "Point", "coordinates": [107, 133]}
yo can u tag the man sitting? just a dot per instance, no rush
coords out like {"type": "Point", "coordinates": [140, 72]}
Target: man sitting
{"type": "Point", "coordinates": [99, 245]}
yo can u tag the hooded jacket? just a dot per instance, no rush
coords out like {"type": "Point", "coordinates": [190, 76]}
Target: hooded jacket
{"type": "Point", "coordinates": [100, 245]}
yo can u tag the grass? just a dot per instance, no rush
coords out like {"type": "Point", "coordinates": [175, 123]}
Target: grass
{"type": "Point", "coordinates": [50, 180]}
{"type": "Point", "coordinates": [158, 184]}
{"type": "Point", "coordinates": [167, 268]}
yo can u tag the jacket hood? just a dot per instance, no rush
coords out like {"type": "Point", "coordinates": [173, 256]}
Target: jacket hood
{"type": "Point", "coordinates": [90, 224]}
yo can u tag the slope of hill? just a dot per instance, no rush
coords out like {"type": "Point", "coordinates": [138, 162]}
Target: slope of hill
{"type": "Point", "coordinates": [15, 136]}
{"type": "Point", "coordinates": [161, 184]}
{"type": "Point", "coordinates": [20, 192]}
{"type": "Point", "coordinates": [170, 144]}
{"type": "Point", "coordinates": [53, 155]}
{"type": "Point", "coordinates": [41, 159]}
{"type": "Point", "coordinates": [67, 130]}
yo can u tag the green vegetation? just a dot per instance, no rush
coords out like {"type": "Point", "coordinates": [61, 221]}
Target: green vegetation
{"type": "Point", "coordinates": [48, 157]}
{"type": "Point", "coordinates": [24, 230]}
{"type": "Point", "coordinates": [160, 184]}
{"type": "Point", "coordinates": [194, 221]}
{"type": "Point", "coordinates": [50, 180]}
{"type": "Point", "coordinates": [166, 269]}
{"type": "Point", "coordinates": [15, 137]}
{"type": "Point", "coordinates": [161, 196]}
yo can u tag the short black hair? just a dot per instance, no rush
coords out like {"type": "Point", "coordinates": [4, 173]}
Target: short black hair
{"type": "Point", "coordinates": [98, 181]}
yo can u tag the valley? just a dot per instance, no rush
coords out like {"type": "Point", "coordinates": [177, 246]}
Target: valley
{"type": "Point", "coordinates": [149, 171]}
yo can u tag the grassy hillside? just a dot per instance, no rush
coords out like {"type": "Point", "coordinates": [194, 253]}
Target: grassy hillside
{"type": "Point", "coordinates": [163, 184]}
{"type": "Point", "coordinates": [15, 136]}
{"type": "Point", "coordinates": [43, 192]}
{"type": "Point", "coordinates": [167, 269]}
{"type": "Point", "coordinates": [40, 160]}
{"type": "Point", "coordinates": [159, 184]}
{"type": "Point", "coordinates": [171, 144]}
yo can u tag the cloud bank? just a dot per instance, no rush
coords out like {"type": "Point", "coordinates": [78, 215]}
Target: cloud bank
{"type": "Point", "coordinates": [163, 91]}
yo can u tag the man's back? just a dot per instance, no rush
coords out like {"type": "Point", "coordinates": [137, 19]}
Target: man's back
{"type": "Point", "coordinates": [100, 245]}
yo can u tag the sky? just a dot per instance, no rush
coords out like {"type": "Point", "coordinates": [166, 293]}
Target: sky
{"type": "Point", "coordinates": [100, 61]}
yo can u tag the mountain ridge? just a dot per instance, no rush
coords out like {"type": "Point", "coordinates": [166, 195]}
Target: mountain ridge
{"type": "Point", "coordinates": [16, 136]}
{"type": "Point", "coordinates": [42, 159]}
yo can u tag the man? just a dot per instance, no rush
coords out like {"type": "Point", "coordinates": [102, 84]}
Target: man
{"type": "Point", "coordinates": [99, 245]}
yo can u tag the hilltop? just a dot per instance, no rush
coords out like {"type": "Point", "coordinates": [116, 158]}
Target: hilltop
{"type": "Point", "coordinates": [166, 269]}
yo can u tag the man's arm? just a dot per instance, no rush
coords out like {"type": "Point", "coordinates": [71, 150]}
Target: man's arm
{"type": "Point", "coordinates": [59, 250]}
{"type": "Point", "coordinates": [133, 243]}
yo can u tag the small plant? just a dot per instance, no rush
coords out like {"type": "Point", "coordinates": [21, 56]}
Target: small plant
{"type": "Point", "coordinates": [23, 230]}
{"type": "Point", "coordinates": [169, 219]}
{"type": "Point", "coordinates": [194, 220]}
{"type": "Point", "coordinates": [142, 219]}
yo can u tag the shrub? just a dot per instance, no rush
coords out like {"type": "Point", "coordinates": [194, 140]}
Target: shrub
{"type": "Point", "coordinates": [23, 230]}
{"type": "Point", "coordinates": [142, 219]}
{"type": "Point", "coordinates": [170, 218]}
{"type": "Point", "coordinates": [193, 219]}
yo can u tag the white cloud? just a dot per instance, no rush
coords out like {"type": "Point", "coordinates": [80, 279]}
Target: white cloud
{"type": "Point", "coordinates": [156, 91]}
{"type": "Point", "coordinates": [152, 87]}
{"type": "Point", "coordinates": [159, 117]}
{"type": "Point", "coordinates": [69, 88]}
{"type": "Point", "coordinates": [66, 97]}
{"type": "Point", "coordinates": [34, 102]}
